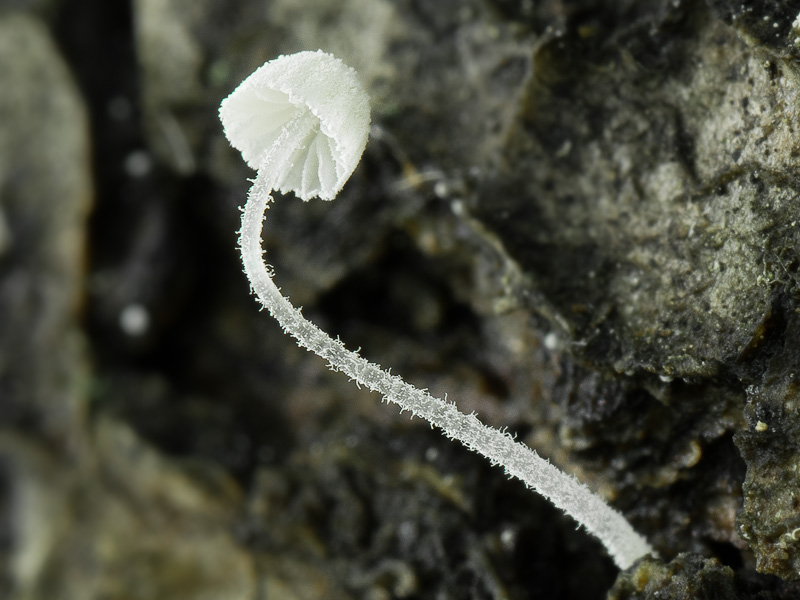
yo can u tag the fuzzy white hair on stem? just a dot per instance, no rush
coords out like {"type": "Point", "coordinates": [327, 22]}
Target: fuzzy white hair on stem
{"type": "Point", "coordinates": [302, 121]}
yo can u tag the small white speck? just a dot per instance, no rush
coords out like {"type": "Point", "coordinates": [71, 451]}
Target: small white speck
{"type": "Point", "coordinates": [407, 533]}
{"type": "Point", "coordinates": [138, 164]}
{"type": "Point", "coordinates": [134, 320]}
{"type": "Point", "coordinates": [431, 454]}
{"type": "Point", "coordinates": [551, 341]}
{"type": "Point", "coordinates": [508, 538]}
{"type": "Point", "coordinates": [441, 189]}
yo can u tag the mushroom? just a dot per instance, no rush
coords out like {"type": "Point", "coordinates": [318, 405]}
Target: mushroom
{"type": "Point", "coordinates": [302, 121]}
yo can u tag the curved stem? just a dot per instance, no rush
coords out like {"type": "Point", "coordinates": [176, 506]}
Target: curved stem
{"type": "Point", "coordinates": [613, 530]}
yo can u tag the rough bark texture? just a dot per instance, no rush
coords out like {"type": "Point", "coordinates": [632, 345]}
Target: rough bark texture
{"type": "Point", "coordinates": [576, 218]}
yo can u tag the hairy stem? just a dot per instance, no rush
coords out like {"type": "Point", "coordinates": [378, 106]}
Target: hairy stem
{"type": "Point", "coordinates": [609, 526]}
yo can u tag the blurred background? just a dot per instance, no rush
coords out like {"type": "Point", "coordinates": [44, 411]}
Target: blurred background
{"type": "Point", "coordinates": [571, 218]}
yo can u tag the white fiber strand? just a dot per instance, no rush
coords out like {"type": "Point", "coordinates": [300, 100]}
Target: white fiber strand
{"type": "Point", "coordinates": [623, 543]}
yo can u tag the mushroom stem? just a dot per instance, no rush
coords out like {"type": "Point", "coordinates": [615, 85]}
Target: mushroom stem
{"type": "Point", "coordinates": [610, 527]}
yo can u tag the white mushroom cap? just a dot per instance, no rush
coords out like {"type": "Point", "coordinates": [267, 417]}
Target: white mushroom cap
{"type": "Point", "coordinates": [301, 120]}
